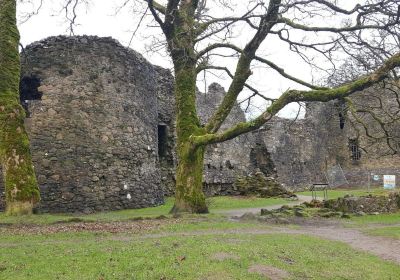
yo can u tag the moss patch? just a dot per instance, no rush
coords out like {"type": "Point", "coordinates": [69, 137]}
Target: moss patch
{"type": "Point", "coordinates": [262, 186]}
{"type": "Point", "coordinates": [19, 176]}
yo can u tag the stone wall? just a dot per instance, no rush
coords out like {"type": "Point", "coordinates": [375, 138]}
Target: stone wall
{"type": "Point", "coordinates": [224, 162]}
{"type": "Point", "coordinates": [379, 151]}
{"type": "Point", "coordinates": [306, 150]}
{"type": "Point", "coordinates": [102, 121]}
{"type": "Point", "coordinates": [100, 134]}
{"type": "Point", "coordinates": [166, 129]}
{"type": "Point", "coordinates": [94, 130]}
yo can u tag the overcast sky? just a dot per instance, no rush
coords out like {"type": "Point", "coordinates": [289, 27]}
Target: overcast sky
{"type": "Point", "coordinates": [99, 18]}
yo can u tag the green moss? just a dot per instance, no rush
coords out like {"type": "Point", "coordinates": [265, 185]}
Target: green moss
{"type": "Point", "coordinates": [18, 208]}
{"type": "Point", "coordinates": [181, 40]}
{"type": "Point", "coordinates": [258, 184]}
{"type": "Point", "coordinates": [19, 176]}
{"type": "Point", "coordinates": [185, 91]}
{"type": "Point", "coordinates": [242, 73]}
{"type": "Point", "coordinates": [189, 196]}
{"type": "Point", "coordinates": [189, 175]}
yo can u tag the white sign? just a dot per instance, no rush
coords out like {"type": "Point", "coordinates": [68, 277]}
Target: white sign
{"type": "Point", "coordinates": [376, 178]}
{"type": "Point", "coordinates": [389, 181]}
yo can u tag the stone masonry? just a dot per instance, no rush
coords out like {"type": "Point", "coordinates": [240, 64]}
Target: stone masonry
{"type": "Point", "coordinates": [94, 130]}
{"type": "Point", "coordinates": [101, 121]}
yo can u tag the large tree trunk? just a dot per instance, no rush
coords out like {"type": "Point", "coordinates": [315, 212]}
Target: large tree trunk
{"type": "Point", "coordinates": [189, 195]}
{"type": "Point", "coordinates": [22, 190]}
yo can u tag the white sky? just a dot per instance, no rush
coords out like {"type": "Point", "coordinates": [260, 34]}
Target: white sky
{"type": "Point", "coordinates": [99, 19]}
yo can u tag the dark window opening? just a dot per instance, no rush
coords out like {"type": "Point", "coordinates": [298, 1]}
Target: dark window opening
{"type": "Point", "coordinates": [28, 90]}
{"type": "Point", "coordinates": [342, 113]}
{"type": "Point", "coordinates": [162, 141]}
{"type": "Point", "coordinates": [341, 121]}
{"type": "Point", "coordinates": [229, 165]}
{"type": "Point", "coordinates": [355, 152]}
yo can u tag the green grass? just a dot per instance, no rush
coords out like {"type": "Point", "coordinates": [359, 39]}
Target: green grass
{"type": "Point", "coordinates": [236, 202]}
{"type": "Point", "coordinates": [215, 204]}
{"type": "Point", "coordinates": [333, 194]}
{"type": "Point", "coordinates": [373, 224]}
{"type": "Point", "coordinates": [210, 223]}
{"type": "Point", "coordinates": [34, 219]}
{"type": "Point", "coordinates": [387, 219]}
{"type": "Point", "coordinates": [123, 256]}
{"type": "Point", "coordinates": [185, 250]}
{"type": "Point", "coordinates": [101, 216]}
{"type": "Point", "coordinates": [392, 232]}
{"type": "Point", "coordinates": [133, 213]}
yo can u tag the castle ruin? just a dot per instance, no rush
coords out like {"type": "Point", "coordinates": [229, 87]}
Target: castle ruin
{"type": "Point", "coordinates": [101, 124]}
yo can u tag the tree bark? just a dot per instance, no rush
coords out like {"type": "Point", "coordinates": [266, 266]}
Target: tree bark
{"type": "Point", "coordinates": [189, 196]}
{"type": "Point", "coordinates": [22, 190]}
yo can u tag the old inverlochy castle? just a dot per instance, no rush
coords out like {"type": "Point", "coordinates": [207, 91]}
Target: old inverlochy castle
{"type": "Point", "coordinates": [101, 123]}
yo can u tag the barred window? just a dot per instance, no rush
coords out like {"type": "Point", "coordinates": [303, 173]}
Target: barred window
{"type": "Point", "coordinates": [355, 152]}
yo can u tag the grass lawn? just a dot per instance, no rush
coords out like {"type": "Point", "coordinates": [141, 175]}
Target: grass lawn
{"type": "Point", "coordinates": [336, 193]}
{"type": "Point", "coordinates": [192, 247]}
{"type": "Point", "coordinates": [237, 202]}
{"type": "Point", "coordinates": [212, 256]}
{"type": "Point", "coordinates": [215, 204]}
{"type": "Point", "coordinates": [364, 222]}
{"type": "Point", "coordinates": [392, 232]}
{"type": "Point", "coordinates": [386, 225]}
{"type": "Point", "coordinates": [387, 219]}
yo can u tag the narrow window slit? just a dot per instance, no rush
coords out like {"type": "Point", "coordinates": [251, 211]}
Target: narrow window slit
{"type": "Point", "coordinates": [162, 141]}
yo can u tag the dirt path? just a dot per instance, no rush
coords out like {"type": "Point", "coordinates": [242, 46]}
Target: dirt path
{"type": "Point", "coordinates": [385, 248]}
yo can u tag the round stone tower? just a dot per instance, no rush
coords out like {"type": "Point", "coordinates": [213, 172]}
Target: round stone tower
{"type": "Point", "coordinates": [93, 123]}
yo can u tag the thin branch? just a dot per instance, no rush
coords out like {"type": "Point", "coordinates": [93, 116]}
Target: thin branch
{"type": "Point", "coordinates": [300, 96]}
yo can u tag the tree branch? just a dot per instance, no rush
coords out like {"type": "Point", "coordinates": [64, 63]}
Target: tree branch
{"type": "Point", "coordinates": [255, 91]}
{"type": "Point", "coordinates": [290, 96]}
{"type": "Point", "coordinates": [203, 26]}
{"type": "Point", "coordinates": [155, 15]}
{"type": "Point", "coordinates": [327, 4]}
{"type": "Point", "coordinates": [280, 70]}
{"type": "Point", "coordinates": [243, 67]}
{"type": "Point", "coordinates": [334, 29]}
{"type": "Point", "coordinates": [157, 6]}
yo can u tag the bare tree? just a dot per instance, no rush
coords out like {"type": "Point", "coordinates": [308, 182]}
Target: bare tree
{"type": "Point", "coordinates": [194, 34]}
{"type": "Point", "coordinates": [317, 31]}
{"type": "Point", "coordinates": [22, 190]}
{"type": "Point", "coordinates": [374, 114]}
{"type": "Point", "coordinates": [374, 118]}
